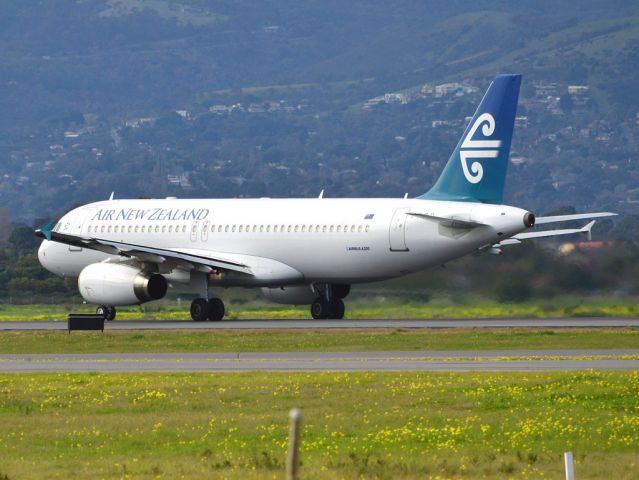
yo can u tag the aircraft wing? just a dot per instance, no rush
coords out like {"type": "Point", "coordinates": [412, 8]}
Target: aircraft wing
{"type": "Point", "coordinates": [202, 261]}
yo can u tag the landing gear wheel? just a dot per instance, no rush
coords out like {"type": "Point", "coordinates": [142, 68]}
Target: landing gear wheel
{"type": "Point", "coordinates": [319, 309]}
{"type": "Point", "coordinates": [216, 309]}
{"type": "Point", "coordinates": [199, 309]}
{"type": "Point", "coordinates": [338, 309]}
{"type": "Point", "coordinates": [107, 312]}
{"type": "Point", "coordinates": [341, 290]}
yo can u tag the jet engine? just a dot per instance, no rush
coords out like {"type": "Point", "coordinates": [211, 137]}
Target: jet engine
{"type": "Point", "coordinates": [297, 295]}
{"type": "Point", "coordinates": [119, 284]}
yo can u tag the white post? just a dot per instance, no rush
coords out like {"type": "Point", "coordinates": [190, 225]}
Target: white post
{"type": "Point", "coordinates": [292, 461]}
{"type": "Point", "coordinates": [570, 470]}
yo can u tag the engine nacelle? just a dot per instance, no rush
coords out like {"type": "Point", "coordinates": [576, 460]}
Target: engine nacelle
{"type": "Point", "coordinates": [297, 295]}
{"type": "Point", "coordinates": [117, 284]}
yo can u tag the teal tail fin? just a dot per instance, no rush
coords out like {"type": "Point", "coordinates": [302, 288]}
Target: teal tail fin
{"type": "Point", "coordinates": [476, 171]}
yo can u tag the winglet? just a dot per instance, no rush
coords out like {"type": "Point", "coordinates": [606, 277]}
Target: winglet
{"type": "Point", "coordinates": [111, 197]}
{"type": "Point", "coordinates": [45, 232]}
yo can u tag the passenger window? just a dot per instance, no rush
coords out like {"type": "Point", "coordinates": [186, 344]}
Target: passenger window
{"type": "Point", "coordinates": [303, 228]}
{"type": "Point", "coordinates": [163, 228]}
{"type": "Point", "coordinates": [212, 228]}
{"type": "Point", "coordinates": [143, 229]}
{"type": "Point", "coordinates": [170, 228]}
{"type": "Point", "coordinates": [241, 228]}
{"type": "Point", "coordinates": [183, 228]}
{"type": "Point", "coordinates": [367, 228]}
{"type": "Point", "coordinates": [268, 229]}
{"type": "Point", "coordinates": [297, 227]}
{"type": "Point", "coordinates": [102, 230]}
{"type": "Point", "coordinates": [339, 228]}
{"type": "Point", "coordinates": [359, 229]}
{"type": "Point", "coordinates": [331, 229]}
{"type": "Point", "coordinates": [274, 228]}
{"type": "Point", "coordinates": [289, 229]}
{"type": "Point", "coordinates": [226, 229]}
{"type": "Point", "coordinates": [233, 229]}
{"type": "Point", "coordinates": [352, 228]}
{"type": "Point", "coordinates": [219, 229]}
{"type": "Point", "coordinates": [137, 228]}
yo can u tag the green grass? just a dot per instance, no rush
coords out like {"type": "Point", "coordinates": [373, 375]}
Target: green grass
{"type": "Point", "coordinates": [355, 425]}
{"type": "Point", "coordinates": [364, 307]}
{"type": "Point", "coordinates": [313, 340]}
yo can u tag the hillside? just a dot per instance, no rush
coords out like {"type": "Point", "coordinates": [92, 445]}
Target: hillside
{"type": "Point", "coordinates": [199, 98]}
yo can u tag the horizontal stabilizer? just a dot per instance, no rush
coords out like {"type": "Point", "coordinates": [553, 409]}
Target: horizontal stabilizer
{"type": "Point", "coordinates": [547, 233]}
{"type": "Point", "coordinates": [451, 221]}
{"type": "Point", "coordinates": [566, 218]}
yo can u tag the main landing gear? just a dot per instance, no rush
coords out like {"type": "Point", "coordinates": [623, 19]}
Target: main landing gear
{"type": "Point", "coordinates": [202, 310]}
{"type": "Point", "coordinates": [330, 304]}
{"type": "Point", "coordinates": [107, 312]}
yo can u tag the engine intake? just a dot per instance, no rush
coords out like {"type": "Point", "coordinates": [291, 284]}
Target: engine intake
{"type": "Point", "coordinates": [118, 284]}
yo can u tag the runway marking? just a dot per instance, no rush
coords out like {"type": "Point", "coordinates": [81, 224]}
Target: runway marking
{"type": "Point", "coordinates": [275, 324]}
{"type": "Point", "coordinates": [521, 360]}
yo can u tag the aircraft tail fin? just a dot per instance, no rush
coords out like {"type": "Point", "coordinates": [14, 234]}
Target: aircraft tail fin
{"type": "Point", "coordinates": [476, 171]}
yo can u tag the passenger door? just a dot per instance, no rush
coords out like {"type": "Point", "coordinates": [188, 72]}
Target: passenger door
{"type": "Point", "coordinates": [397, 231]}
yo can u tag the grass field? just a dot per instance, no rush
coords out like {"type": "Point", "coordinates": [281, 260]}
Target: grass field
{"type": "Point", "coordinates": [313, 340]}
{"type": "Point", "coordinates": [377, 306]}
{"type": "Point", "coordinates": [356, 425]}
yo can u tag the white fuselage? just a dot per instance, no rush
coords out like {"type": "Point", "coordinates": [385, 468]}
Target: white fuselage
{"type": "Point", "coordinates": [309, 240]}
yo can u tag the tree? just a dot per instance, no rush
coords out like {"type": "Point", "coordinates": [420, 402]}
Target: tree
{"type": "Point", "coordinates": [22, 241]}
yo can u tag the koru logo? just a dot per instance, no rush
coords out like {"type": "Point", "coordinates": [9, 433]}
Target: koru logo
{"type": "Point", "coordinates": [478, 148]}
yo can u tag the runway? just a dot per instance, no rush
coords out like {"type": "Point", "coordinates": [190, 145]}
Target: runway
{"type": "Point", "coordinates": [591, 322]}
{"type": "Point", "coordinates": [448, 361]}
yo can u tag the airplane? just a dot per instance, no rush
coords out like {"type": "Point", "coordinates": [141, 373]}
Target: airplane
{"type": "Point", "coordinates": [299, 251]}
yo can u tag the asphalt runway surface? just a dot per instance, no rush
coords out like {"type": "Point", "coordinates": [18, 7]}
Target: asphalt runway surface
{"type": "Point", "coordinates": [449, 361]}
{"type": "Point", "coordinates": [593, 322]}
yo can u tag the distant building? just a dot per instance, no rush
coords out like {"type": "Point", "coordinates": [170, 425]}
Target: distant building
{"type": "Point", "coordinates": [396, 98]}
{"type": "Point", "coordinates": [219, 109]}
{"type": "Point", "coordinates": [578, 89]}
